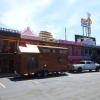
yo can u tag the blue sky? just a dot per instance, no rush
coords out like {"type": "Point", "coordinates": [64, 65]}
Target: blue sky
{"type": "Point", "coordinates": [50, 15]}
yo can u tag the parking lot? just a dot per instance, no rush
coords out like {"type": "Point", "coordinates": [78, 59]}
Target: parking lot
{"type": "Point", "coordinates": [71, 86]}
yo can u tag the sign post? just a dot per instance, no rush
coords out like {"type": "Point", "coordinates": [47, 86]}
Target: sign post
{"type": "Point", "coordinates": [86, 25]}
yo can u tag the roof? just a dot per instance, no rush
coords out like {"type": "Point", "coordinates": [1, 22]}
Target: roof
{"type": "Point", "coordinates": [69, 42]}
{"type": "Point", "coordinates": [28, 34]}
{"type": "Point", "coordinates": [9, 32]}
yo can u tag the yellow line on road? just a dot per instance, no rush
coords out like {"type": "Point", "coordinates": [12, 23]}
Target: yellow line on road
{"type": "Point", "coordinates": [2, 85]}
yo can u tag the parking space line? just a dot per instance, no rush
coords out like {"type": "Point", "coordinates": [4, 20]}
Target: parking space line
{"type": "Point", "coordinates": [2, 85]}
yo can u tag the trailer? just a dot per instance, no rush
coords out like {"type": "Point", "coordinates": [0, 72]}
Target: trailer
{"type": "Point", "coordinates": [41, 60]}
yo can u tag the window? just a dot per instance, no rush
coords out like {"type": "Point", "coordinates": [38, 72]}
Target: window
{"type": "Point", "coordinates": [63, 51]}
{"type": "Point", "coordinates": [70, 51]}
{"type": "Point", "coordinates": [57, 51]}
{"type": "Point", "coordinates": [7, 46]}
{"type": "Point", "coordinates": [88, 62]}
{"type": "Point", "coordinates": [1, 45]}
{"type": "Point", "coordinates": [53, 51]}
{"type": "Point", "coordinates": [45, 50]}
{"type": "Point", "coordinates": [82, 62]}
{"type": "Point", "coordinates": [86, 52]}
{"type": "Point", "coordinates": [59, 59]}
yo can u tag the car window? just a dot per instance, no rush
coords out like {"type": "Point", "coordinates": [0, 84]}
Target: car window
{"type": "Point", "coordinates": [92, 62]}
{"type": "Point", "coordinates": [88, 62]}
{"type": "Point", "coordinates": [82, 62]}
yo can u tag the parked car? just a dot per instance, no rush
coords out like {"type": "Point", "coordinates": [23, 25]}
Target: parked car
{"type": "Point", "coordinates": [85, 65]}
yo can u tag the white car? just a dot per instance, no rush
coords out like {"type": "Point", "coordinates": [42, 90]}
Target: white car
{"type": "Point", "coordinates": [85, 65]}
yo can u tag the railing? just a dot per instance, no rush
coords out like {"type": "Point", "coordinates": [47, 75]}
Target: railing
{"type": "Point", "coordinates": [9, 30]}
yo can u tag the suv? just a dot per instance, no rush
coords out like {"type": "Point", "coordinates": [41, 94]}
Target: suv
{"type": "Point", "coordinates": [85, 65]}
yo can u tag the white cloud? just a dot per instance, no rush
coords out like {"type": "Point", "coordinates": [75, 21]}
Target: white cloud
{"type": "Point", "coordinates": [21, 14]}
{"type": "Point", "coordinates": [71, 2]}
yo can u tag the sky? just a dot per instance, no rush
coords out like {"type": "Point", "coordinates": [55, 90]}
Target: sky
{"type": "Point", "coordinates": [51, 15]}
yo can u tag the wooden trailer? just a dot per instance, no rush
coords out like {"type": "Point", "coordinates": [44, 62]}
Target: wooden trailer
{"type": "Point", "coordinates": [41, 60]}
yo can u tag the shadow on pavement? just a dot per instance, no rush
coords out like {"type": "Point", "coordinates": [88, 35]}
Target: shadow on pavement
{"type": "Point", "coordinates": [7, 75]}
{"type": "Point", "coordinates": [22, 78]}
{"type": "Point", "coordinates": [82, 72]}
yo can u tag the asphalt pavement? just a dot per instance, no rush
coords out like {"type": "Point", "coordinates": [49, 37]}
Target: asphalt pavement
{"type": "Point", "coordinates": [71, 86]}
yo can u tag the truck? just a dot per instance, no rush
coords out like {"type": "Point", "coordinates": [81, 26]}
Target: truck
{"type": "Point", "coordinates": [85, 65]}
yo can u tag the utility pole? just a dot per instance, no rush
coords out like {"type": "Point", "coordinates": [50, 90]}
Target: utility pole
{"type": "Point", "coordinates": [89, 24]}
{"type": "Point", "coordinates": [65, 34]}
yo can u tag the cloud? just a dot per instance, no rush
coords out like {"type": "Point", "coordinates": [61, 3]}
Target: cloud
{"type": "Point", "coordinates": [21, 14]}
{"type": "Point", "coordinates": [72, 2]}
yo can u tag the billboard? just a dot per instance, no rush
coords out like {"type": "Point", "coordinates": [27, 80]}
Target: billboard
{"type": "Point", "coordinates": [85, 40]}
{"type": "Point", "coordinates": [84, 22]}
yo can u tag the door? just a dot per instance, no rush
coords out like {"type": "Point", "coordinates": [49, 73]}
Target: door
{"type": "Point", "coordinates": [6, 63]}
{"type": "Point", "coordinates": [89, 65]}
{"type": "Point", "coordinates": [32, 63]}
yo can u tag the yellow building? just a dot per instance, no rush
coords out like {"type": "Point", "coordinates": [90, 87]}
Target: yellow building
{"type": "Point", "coordinates": [46, 36]}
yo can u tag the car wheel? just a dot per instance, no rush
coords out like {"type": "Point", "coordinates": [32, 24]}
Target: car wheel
{"type": "Point", "coordinates": [97, 69]}
{"type": "Point", "coordinates": [90, 70]}
{"type": "Point", "coordinates": [79, 70]}
{"type": "Point", "coordinates": [71, 71]}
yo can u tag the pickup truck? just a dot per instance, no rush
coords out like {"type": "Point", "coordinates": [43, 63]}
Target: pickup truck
{"type": "Point", "coordinates": [85, 65]}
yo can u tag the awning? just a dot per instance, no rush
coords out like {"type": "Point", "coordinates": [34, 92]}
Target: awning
{"type": "Point", "coordinates": [29, 48]}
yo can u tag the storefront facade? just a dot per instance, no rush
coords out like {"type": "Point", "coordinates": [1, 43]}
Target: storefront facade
{"type": "Point", "coordinates": [8, 49]}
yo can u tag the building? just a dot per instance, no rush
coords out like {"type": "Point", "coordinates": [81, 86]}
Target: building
{"type": "Point", "coordinates": [77, 50]}
{"type": "Point", "coordinates": [9, 40]}
{"type": "Point", "coordinates": [46, 36]}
